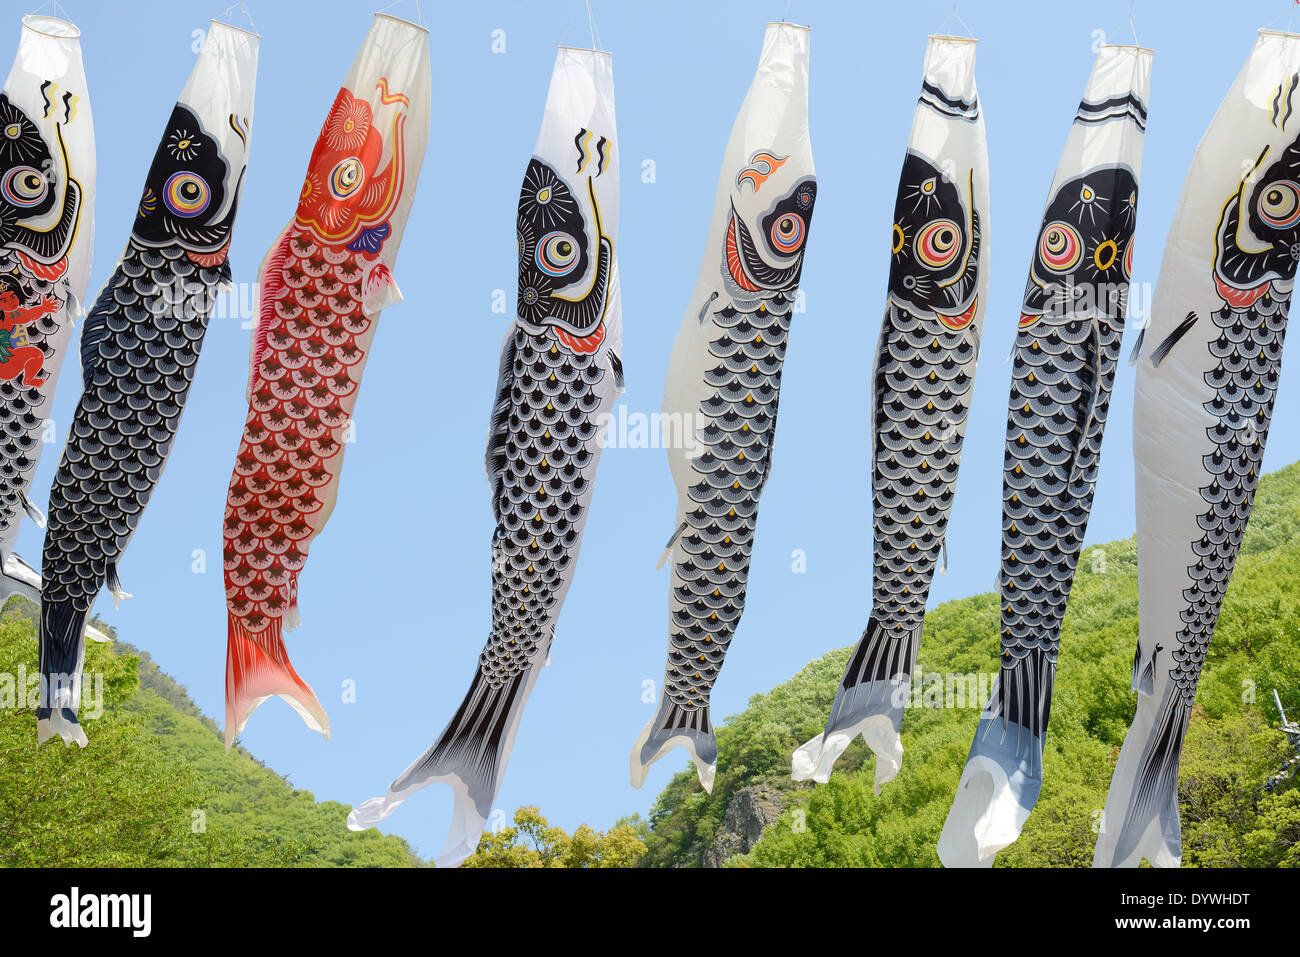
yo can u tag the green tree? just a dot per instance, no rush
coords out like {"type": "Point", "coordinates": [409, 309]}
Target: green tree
{"type": "Point", "coordinates": [535, 842]}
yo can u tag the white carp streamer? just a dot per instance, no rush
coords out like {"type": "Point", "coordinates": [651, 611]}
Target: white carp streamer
{"type": "Point", "coordinates": [725, 376]}
{"type": "Point", "coordinates": [921, 388]}
{"type": "Point", "coordinates": [1206, 381]}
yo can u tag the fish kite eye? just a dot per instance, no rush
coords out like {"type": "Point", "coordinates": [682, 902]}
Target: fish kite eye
{"type": "Point", "coordinates": [13, 131]}
{"type": "Point", "coordinates": [938, 244]}
{"type": "Point", "coordinates": [24, 186]}
{"type": "Point", "coordinates": [346, 176]}
{"type": "Point", "coordinates": [187, 194]}
{"type": "Point", "coordinates": [1279, 204]}
{"type": "Point", "coordinates": [787, 233]}
{"type": "Point", "coordinates": [557, 254]}
{"type": "Point", "coordinates": [1061, 248]}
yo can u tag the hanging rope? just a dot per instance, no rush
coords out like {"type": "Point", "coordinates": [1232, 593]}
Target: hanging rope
{"type": "Point", "coordinates": [953, 15]}
{"type": "Point", "coordinates": [242, 8]}
{"type": "Point", "coordinates": [591, 23]}
{"type": "Point", "coordinates": [419, 12]}
{"type": "Point", "coordinates": [59, 9]}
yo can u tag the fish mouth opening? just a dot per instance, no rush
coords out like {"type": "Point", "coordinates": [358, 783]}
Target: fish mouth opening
{"type": "Point", "coordinates": [48, 26]}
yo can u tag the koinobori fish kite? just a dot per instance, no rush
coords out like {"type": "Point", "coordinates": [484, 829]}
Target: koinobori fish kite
{"type": "Point", "coordinates": [921, 390]}
{"type": "Point", "coordinates": [560, 373]}
{"type": "Point", "coordinates": [1065, 356]}
{"type": "Point", "coordinates": [47, 227]}
{"type": "Point", "coordinates": [724, 379]}
{"type": "Point", "coordinates": [139, 351]}
{"type": "Point", "coordinates": [322, 286]}
{"type": "Point", "coordinates": [1207, 378]}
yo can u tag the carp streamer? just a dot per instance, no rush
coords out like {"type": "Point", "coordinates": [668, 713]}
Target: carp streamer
{"type": "Point", "coordinates": [323, 285]}
{"type": "Point", "coordinates": [921, 390]}
{"type": "Point", "coordinates": [559, 375]}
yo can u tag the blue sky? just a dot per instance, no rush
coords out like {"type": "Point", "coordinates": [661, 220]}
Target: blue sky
{"type": "Point", "coordinates": [396, 594]}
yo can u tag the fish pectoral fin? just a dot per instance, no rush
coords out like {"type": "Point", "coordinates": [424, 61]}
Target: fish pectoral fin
{"type": "Point", "coordinates": [34, 513]}
{"type": "Point", "coordinates": [1167, 346]}
{"type": "Point", "coordinates": [115, 586]}
{"type": "Point", "coordinates": [1094, 394]}
{"type": "Point", "coordinates": [1137, 346]}
{"type": "Point", "coordinates": [496, 458]}
{"type": "Point", "coordinates": [943, 550]}
{"type": "Point", "coordinates": [704, 309]}
{"type": "Point", "coordinates": [93, 333]}
{"type": "Point", "coordinates": [669, 547]}
{"type": "Point", "coordinates": [225, 278]}
{"type": "Point", "coordinates": [616, 366]}
{"type": "Point", "coordinates": [379, 289]}
{"type": "Point", "coordinates": [973, 331]}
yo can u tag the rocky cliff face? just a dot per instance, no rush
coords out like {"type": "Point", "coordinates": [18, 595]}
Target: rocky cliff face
{"type": "Point", "coordinates": [751, 810]}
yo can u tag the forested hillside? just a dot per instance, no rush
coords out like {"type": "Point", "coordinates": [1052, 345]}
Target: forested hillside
{"type": "Point", "coordinates": [155, 787]}
{"type": "Point", "coordinates": [757, 816]}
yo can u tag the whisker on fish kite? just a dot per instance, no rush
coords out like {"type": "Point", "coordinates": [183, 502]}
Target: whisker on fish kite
{"type": "Point", "coordinates": [921, 390]}
{"type": "Point", "coordinates": [1207, 378]}
{"type": "Point", "coordinates": [724, 377]}
{"type": "Point", "coordinates": [560, 372]}
{"type": "Point", "coordinates": [139, 351]}
{"type": "Point", "coordinates": [1065, 356]}
{"type": "Point", "coordinates": [322, 286]}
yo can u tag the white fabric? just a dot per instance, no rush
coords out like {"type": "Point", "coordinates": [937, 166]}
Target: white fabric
{"type": "Point", "coordinates": [49, 56]}
{"type": "Point", "coordinates": [772, 119]}
{"type": "Point", "coordinates": [957, 146]}
{"type": "Point", "coordinates": [1170, 422]}
{"type": "Point", "coordinates": [1003, 774]}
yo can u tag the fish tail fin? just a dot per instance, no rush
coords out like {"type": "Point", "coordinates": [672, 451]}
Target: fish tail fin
{"type": "Point", "coordinates": [1141, 817]}
{"type": "Point", "coordinates": [870, 702]}
{"type": "Point", "coordinates": [469, 756]}
{"type": "Point", "coordinates": [673, 725]}
{"type": "Point", "coordinates": [1003, 775]}
{"type": "Point", "coordinates": [257, 666]}
{"type": "Point", "coordinates": [62, 654]}
{"type": "Point", "coordinates": [19, 578]}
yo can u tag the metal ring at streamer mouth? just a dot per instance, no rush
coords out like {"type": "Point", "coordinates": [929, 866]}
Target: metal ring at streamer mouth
{"type": "Point", "coordinates": [55, 27]}
{"type": "Point", "coordinates": [231, 26]}
{"type": "Point", "coordinates": [409, 23]}
{"type": "Point", "coordinates": [586, 50]}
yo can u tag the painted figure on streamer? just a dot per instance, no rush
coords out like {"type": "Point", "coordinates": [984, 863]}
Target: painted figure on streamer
{"type": "Point", "coordinates": [17, 358]}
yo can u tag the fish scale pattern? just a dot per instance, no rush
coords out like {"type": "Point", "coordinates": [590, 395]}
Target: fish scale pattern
{"type": "Point", "coordinates": [710, 576]}
{"type": "Point", "coordinates": [923, 392]}
{"type": "Point", "coordinates": [549, 453]}
{"type": "Point", "coordinates": [303, 393]}
{"type": "Point", "coordinates": [139, 353]}
{"type": "Point", "coordinates": [1244, 377]}
{"type": "Point", "coordinates": [1061, 386]}
{"type": "Point", "coordinates": [22, 408]}
{"type": "Point", "coordinates": [922, 398]}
